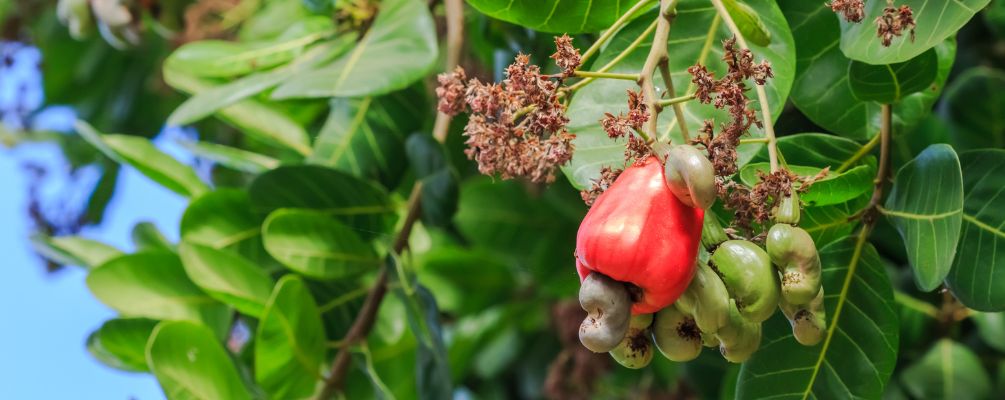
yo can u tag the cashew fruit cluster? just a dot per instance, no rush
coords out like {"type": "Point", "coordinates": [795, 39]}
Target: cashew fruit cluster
{"type": "Point", "coordinates": [642, 284]}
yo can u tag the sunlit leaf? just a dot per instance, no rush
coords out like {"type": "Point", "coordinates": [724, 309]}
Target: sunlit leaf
{"type": "Point", "coordinates": [892, 82]}
{"type": "Point", "coordinates": [556, 16]}
{"type": "Point", "coordinates": [227, 277]}
{"type": "Point", "coordinates": [190, 363]}
{"type": "Point", "coordinates": [290, 342]}
{"type": "Point", "coordinates": [74, 250]}
{"type": "Point", "coordinates": [121, 343]}
{"type": "Point", "coordinates": [316, 245]}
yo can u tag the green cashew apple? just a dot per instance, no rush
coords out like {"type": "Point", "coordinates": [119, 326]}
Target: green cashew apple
{"type": "Point", "coordinates": [636, 349]}
{"type": "Point", "coordinates": [746, 271]}
{"type": "Point", "coordinates": [676, 335]}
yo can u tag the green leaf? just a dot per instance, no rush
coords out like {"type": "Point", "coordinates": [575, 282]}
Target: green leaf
{"type": "Point", "coordinates": [366, 136]}
{"type": "Point", "coordinates": [254, 118]}
{"type": "Point", "coordinates": [231, 157]}
{"type": "Point", "coordinates": [141, 154]}
{"type": "Point", "coordinates": [227, 277]}
{"type": "Point", "coordinates": [439, 180]}
{"type": "Point", "coordinates": [833, 189]}
{"type": "Point", "coordinates": [362, 206]}
{"type": "Point", "coordinates": [290, 343]}
{"type": "Point", "coordinates": [189, 363]}
{"type": "Point", "coordinates": [74, 250]}
{"type": "Point", "coordinates": [218, 58]}
{"type": "Point", "coordinates": [339, 302]}
{"type": "Point", "coordinates": [991, 328]}
{"type": "Point", "coordinates": [446, 270]}
{"type": "Point", "coordinates": [154, 285]}
{"type": "Point", "coordinates": [926, 205]}
{"type": "Point", "coordinates": [556, 16]}
{"type": "Point", "coordinates": [750, 24]}
{"type": "Point", "coordinates": [948, 371]}
{"type": "Point", "coordinates": [829, 223]}
{"type": "Point", "coordinates": [697, 24]}
{"type": "Point", "coordinates": [146, 236]}
{"type": "Point", "coordinates": [223, 219]}
{"type": "Point", "coordinates": [976, 109]}
{"type": "Point", "coordinates": [822, 89]}
{"type": "Point", "coordinates": [433, 379]}
{"type": "Point", "coordinates": [316, 245]}
{"type": "Point", "coordinates": [936, 19]}
{"type": "Point", "coordinates": [398, 49]}
{"type": "Point", "coordinates": [974, 278]}
{"type": "Point", "coordinates": [890, 83]}
{"type": "Point", "coordinates": [121, 343]}
{"type": "Point", "coordinates": [859, 350]}
{"type": "Point", "coordinates": [205, 103]}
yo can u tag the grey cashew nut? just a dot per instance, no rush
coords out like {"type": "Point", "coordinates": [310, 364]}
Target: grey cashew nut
{"type": "Point", "coordinates": [746, 271]}
{"type": "Point", "coordinates": [809, 322]}
{"type": "Point", "coordinates": [608, 306]}
{"type": "Point", "coordinates": [740, 338]}
{"type": "Point", "coordinates": [690, 176]}
{"type": "Point", "coordinates": [792, 250]}
{"type": "Point", "coordinates": [676, 335]}
{"type": "Point", "coordinates": [706, 300]}
{"type": "Point", "coordinates": [636, 349]}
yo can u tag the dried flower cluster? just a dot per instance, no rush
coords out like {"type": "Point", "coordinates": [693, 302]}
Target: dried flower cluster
{"type": "Point", "coordinates": [516, 127]}
{"type": "Point", "coordinates": [852, 10]}
{"type": "Point", "coordinates": [624, 125]}
{"type": "Point", "coordinates": [607, 177]}
{"type": "Point", "coordinates": [894, 22]}
{"type": "Point", "coordinates": [728, 93]}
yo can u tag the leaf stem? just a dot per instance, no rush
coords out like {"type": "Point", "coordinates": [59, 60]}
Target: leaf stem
{"type": "Point", "coordinates": [617, 59]}
{"type": "Point", "coordinates": [364, 321]}
{"type": "Point", "coordinates": [762, 95]}
{"type": "Point", "coordinates": [753, 140]}
{"type": "Point", "coordinates": [859, 154]}
{"type": "Point", "coordinates": [868, 213]}
{"type": "Point", "coordinates": [606, 75]}
{"type": "Point", "coordinates": [675, 101]}
{"type": "Point", "coordinates": [604, 37]}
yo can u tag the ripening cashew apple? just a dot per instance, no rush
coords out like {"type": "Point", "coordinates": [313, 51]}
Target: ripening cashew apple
{"type": "Point", "coordinates": [740, 337]}
{"type": "Point", "coordinates": [792, 250]}
{"type": "Point", "coordinates": [690, 176]}
{"type": "Point", "coordinates": [639, 233]}
{"type": "Point", "coordinates": [676, 335]}
{"type": "Point", "coordinates": [747, 273]}
{"type": "Point", "coordinates": [706, 300]}
{"type": "Point", "coordinates": [635, 350]}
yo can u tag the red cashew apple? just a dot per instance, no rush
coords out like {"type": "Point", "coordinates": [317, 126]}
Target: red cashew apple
{"type": "Point", "coordinates": [638, 232]}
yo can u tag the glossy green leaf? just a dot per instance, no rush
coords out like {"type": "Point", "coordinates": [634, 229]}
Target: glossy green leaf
{"type": "Point", "coordinates": [926, 205]}
{"type": "Point", "coordinates": [190, 363]}
{"type": "Point", "coordinates": [833, 189]}
{"type": "Point", "coordinates": [439, 180]}
{"type": "Point", "coordinates": [141, 154]}
{"type": "Point", "coordinates": [232, 157]}
{"type": "Point", "coordinates": [154, 285]}
{"type": "Point", "coordinates": [816, 150]}
{"type": "Point", "coordinates": [433, 379]}
{"type": "Point", "coordinates": [750, 24]}
{"type": "Point", "coordinates": [121, 343]}
{"type": "Point", "coordinates": [218, 58]}
{"type": "Point", "coordinates": [991, 328]}
{"type": "Point", "coordinates": [74, 250]}
{"type": "Point", "coordinates": [859, 350]}
{"type": "Point", "coordinates": [447, 272]}
{"type": "Point", "coordinates": [976, 109]}
{"type": "Point", "coordinates": [252, 117]}
{"type": "Point", "coordinates": [822, 89]}
{"type": "Point", "coordinates": [556, 16]}
{"type": "Point", "coordinates": [316, 245]}
{"type": "Point", "coordinates": [205, 103]}
{"type": "Point", "coordinates": [397, 50]}
{"type": "Point", "coordinates": [948, 371]}
{"type": "Point", "coordinates": [697, 23]}
{"type": "Point", "coordinates": [223, 219]}
{"type": "Point", "coordinates": [366, 136]}
{"type": "Point", "coordinates": [890, 83]}
{"type": "Point", "coordinates": [977, 274]}
{"type": "Point", "coordinates": [146, 236]}
{"type": "Point", "coordinates": [936, 20]}
{"type": "Point", "coordinates": [290, 343]}
{"type": "Point", "coordinates": [227, 277]}
{"type": "Point", "coordinates": [361, 205]}
{"type": "Point", "coordinates": [827, 224]}
{"type": "Point", "coordinates": [338, 302]}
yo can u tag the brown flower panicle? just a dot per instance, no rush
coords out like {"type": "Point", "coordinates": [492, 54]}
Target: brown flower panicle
{"type": "Point", "coordinates": [451, 92]}
{"type": "Point", "coordinates": [852, 10]}
{"type": "Point", "coordinates": [516, 127]}
{"type": "Point", "coordinates": [893, 22]}
{"type": "Point", "coordinates": [607, 177]}
{"type": "Point", "coordinates": [566, 56]}
{"type": "Point", "coordinates": [622, 125]}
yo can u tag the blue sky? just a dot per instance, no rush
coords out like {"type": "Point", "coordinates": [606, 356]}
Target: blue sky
{"type": "Point", "coordinates": [46, 318]}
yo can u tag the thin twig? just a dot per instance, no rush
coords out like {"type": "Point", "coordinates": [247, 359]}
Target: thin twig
{"type": "Point", "coordinates": [657, 53]}
{"type": "Point", "coordinates": [604, 37]}
{"type": "Point", "coordinates": [606, 75]}
{"type": "Point", "coordinates": [868, 213]}
{"type": "Point", "coordinates": [675, 101]}
{"type": "Point", "coordinates": [617, 59]}
{"type": "Point", "coordinates": [678, 107]}
{"type": "Point", "coordinates": [762, 95]}
{"type": "Point", "coordinates": [368, 314]}
{"type": "Point", "coordinates": [859, 154]}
